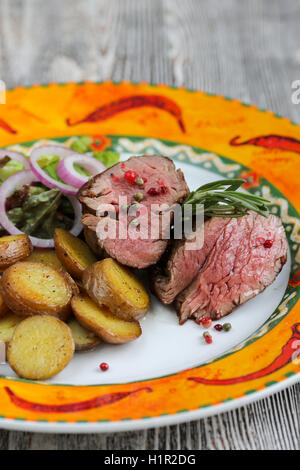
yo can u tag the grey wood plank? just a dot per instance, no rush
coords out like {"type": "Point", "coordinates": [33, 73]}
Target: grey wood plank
{"type": "Point", "coordinates": [248, 50]}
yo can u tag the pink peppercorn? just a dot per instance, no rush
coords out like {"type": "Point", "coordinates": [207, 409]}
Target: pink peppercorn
{"type": "Point", "coordinates": [130, 176]}
{"type": "Point", "coordinates": [218, 327]}
{"type": "Point", "coordinates": [153, 192]}
{"type": "Point", "coordinates": [207, 337]}
{"type": "Point", "coordinates": [206, 322]}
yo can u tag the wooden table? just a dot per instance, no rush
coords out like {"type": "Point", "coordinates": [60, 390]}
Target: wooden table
{"type": "Point", "coordinates": [246, 49]}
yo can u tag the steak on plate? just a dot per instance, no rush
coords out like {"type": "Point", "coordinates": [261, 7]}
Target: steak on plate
{"type": "Point", "coordinates": [170, 276]}
{"type": "Point", "coordinates": [162, 184]}
{"type": "Point", "coordinates": [246, 258]}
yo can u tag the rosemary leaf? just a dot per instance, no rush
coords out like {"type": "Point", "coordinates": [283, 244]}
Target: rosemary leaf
{"type": "Point", "coordinates": [221, 199]}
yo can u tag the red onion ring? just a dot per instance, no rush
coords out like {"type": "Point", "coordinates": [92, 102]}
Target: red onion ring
{"type": "Point", "coordinates": [67, 172]}
{"type": "Point", "coordinates": [15, 156]}
{"type": "Point", "coordinates": [8, 187]}
{"type": "Point", "coordinates": [42, 175]}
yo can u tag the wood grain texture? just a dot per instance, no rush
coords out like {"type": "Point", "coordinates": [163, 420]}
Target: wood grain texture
{"type": "Point", "coordinates": [248, 50]}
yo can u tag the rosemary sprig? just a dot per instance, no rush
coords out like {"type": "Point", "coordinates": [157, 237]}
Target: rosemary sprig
{"type": "Point", "coordinates": [221, 199]}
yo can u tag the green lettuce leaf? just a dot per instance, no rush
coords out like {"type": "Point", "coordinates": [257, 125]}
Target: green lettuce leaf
{"type": "Point", "coordinates": [82, 144]}
{"type": "Point", "coordinates": [11, 167]}
{"type": "Point", "coordinates": [80, 170]}
{"type": "Point", "coordinates": [108, 158]}
{"type": "Point", "coordinates": [49, 164]}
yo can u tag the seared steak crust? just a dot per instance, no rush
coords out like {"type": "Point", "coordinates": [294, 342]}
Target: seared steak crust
{"type": "Point", "coordinates": [159, 173]}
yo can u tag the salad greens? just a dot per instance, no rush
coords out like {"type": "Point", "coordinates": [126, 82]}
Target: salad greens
{"type": "Point", "coordinates": [107, 158]}
{"type": "Point", "coordinates": [9, 169]}
{"type": "Point", "coordinates": [37, 210]}
{"type": "Point", "coordinates": [83, 144]}
{"type": "Point", "coordinates": [49, 164]}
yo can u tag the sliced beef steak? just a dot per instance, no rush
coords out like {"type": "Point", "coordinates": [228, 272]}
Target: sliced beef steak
{"type": "Point", "coordinates": [173, 275]}
{"type": "Point", "coordinates": [246, 258]}
{"type": "Point", "coordinates": [159, 183]}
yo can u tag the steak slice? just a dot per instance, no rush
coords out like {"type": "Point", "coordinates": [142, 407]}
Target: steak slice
{"type": "Point", "coordinates": [175, 273]}
{"type": "Point", "coordinates": [240, 266]}
{"type": "Point", "coordinates": [162, 185]}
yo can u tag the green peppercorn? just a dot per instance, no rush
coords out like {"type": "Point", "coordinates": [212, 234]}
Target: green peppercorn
{"type": "Point", "coordinates": [135, 222]}
{"type": "Point", "coordinates": [138, 196]}
{"type": "Point", "coordinates": [227, 326]}
{"type": "Point", "coordinates": [139, 181]}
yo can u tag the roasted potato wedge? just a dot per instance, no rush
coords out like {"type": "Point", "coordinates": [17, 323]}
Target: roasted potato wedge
{"type": "Point", "coordinates": [101, 321]}
{"type": "Point", "coordinates": [30, 288]}
{"type": "Point", "coordinates": [74, 253]}
{"type": "Point", "coordinates": [49, 258]}
{"type": "Point", "coordinates": [45, 256]}
{"type": "Point", "coordinates": [14, 248]}
{"type": "Point", "coordinates": [3, 307]}
{"type": "Point", "coordinates": [83, 338]}
{"type": "Point", "coordinates": [41, 347]}
{"type": "Point", "coordinates": [8, 324]}
{"type": "Point", "coordinates": [109, 283]}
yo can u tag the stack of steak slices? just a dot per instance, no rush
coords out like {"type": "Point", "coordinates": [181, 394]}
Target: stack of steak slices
{"type": "Point", "coordinates": [240, 257]}
{"type": "Point", "coordinates": [156, 181]}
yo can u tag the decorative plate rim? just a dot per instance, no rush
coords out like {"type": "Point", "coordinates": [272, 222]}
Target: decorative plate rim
{"type": "Point", "coordinates": [154, 85]}
{"type": "Point", "coordinates": [179, 415]}
{"type": "Point", "coordinates": [90, 427]}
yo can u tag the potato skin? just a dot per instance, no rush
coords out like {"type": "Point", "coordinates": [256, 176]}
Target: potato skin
{"type": "Point", "coordinates": [98, 282]}
{"type": "Point", "coordinates": [17, 280]}
{"type": "Point", "coordinates": [74, 286]}
{"type": "Point", "coordinates": [84, 339]}
{"type": "Point", "coordinates": [3, 307]}
{"type": "Point", "coordinates": [14, 248]}
{"type": "Point", "coordinates": [80, 286]}
{"type": "Point", "coordinates": [104, 324]}
{"type": "Point", "coordinates": [73, 253]}
{"type": "Point", "coordinates": [41, 347]}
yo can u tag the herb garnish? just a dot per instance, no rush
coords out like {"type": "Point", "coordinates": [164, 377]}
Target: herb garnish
{"type": "Point", "coordinates": [221, 199]}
